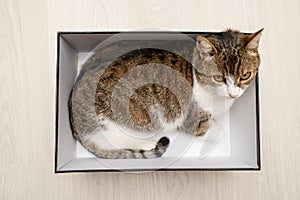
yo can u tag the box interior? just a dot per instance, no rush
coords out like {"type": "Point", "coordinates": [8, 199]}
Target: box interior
{"type": "Point", "coordinates": [235, 147]}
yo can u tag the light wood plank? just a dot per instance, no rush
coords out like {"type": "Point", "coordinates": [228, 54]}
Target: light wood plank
{"type": "Point", "coordinates": [27, 90]}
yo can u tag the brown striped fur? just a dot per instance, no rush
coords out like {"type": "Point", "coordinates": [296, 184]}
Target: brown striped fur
{"type": "Point", "coordinates": [147, 95]}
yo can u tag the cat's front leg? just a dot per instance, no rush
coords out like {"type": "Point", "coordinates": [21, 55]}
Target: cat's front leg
{"type": "Point", "coordinates": [197, 121]}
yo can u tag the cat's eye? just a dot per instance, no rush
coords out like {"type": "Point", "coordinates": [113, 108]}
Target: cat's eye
{"type": "Point", "coordinates": [246, 76]}
{"type": "Point", "coordinates": [218, 78]}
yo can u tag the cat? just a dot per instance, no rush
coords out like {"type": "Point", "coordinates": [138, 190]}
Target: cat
{"type": "Point", "coordinates": [116, 107]}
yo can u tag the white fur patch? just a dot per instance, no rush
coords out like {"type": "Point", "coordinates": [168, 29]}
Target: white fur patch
{"type": "Point", "coordinates": [233, 91]}
{"type": "Point", "coordinates": [115, 136]}
{"type": "Point", "coordinates": [214, 102]}
{"type": "Point", "coordinates": [202, 96]}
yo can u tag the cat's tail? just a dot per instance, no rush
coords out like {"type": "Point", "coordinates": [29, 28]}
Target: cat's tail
{"type": "Point", "coordinates": [158, 151]}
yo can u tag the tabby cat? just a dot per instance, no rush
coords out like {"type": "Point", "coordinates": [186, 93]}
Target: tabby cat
{"type": "Point", "coordinates": [123, 110]}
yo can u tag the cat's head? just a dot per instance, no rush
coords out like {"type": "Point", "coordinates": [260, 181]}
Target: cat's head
{"type": "Point", "coordinates": [228, 62]}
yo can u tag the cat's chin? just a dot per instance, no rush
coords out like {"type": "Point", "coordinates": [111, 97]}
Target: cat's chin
{"type": "Point", "coordinates": [231, 98]}
{"type": "Point", "coordinates": [226, 97]}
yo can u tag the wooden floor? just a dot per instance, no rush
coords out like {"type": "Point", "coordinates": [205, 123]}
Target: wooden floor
{"type": "Point", "coordinates": [27, 93]}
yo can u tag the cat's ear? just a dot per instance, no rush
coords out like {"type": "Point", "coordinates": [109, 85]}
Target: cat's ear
{"type": "Point", "coordinates": [253, 40]}
{"type": "Point", "coordinates": [205, 46]}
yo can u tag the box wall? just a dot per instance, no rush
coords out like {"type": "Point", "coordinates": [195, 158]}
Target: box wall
{"type": "Point", "coordinates": [246, 158]}
{"type": "Point", "coordinates": [67, 73]}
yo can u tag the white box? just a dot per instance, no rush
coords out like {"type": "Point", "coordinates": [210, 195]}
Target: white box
{"type": "Point", "coordinates": [236, 147]}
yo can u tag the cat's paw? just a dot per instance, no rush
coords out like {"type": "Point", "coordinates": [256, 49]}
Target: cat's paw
{"type": "Point", "coordinates": [204, 124]}
{"type": "Point", "coordinates": [203, 128]}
